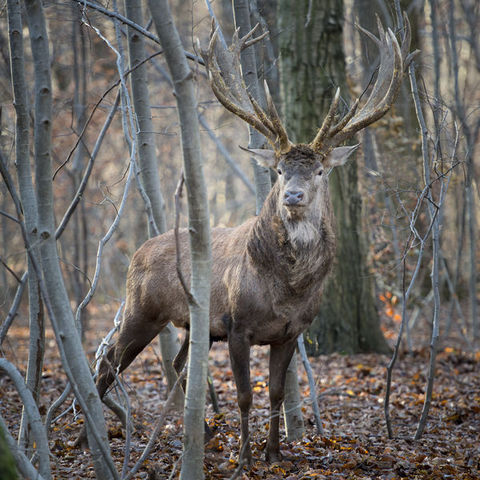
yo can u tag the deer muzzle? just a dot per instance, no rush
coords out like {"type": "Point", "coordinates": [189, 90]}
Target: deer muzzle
{"type": "Point", "coordinates": [293, 198]}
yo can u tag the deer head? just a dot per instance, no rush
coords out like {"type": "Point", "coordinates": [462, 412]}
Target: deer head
{"type": "Point", "coordinates": [302, 167]}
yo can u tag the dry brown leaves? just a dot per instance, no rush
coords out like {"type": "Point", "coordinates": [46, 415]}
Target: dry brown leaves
{"type": "Point", "coordinates": [351, 392]}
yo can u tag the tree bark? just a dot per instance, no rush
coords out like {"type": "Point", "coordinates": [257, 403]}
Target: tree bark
{"type": "Point", "coordinates": [312, 65]}
{"type": "Point", "coordinates": [149, 169]}
{"type": "Point", "coordinates": [67, 334]}
{"type": "Point", "coordinates": [29, 203]}
{"type": "Point", "coordinates": [249, 71]}
{"type": "Point", "coordinates": [193, 449]}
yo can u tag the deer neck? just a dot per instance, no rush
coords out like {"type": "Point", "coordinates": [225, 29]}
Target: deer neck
{"type": "Point", "coordinates": [298, 246]}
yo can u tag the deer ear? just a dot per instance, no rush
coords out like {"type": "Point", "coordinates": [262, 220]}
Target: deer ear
{"type": "Point", "coordinates": [265, 158]}
{"type": "Point", "coordinates": [338, 156]}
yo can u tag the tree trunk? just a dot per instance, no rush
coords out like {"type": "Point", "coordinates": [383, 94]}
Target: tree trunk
{"type": "Point", "coordinates": [149, 169]}
{"type": "Point", "coordinates": [312, 65]}
{"type": "Point", "coordinates": [198, 216]}
{"type": "Point", "coordinates": [62, 316]}
{"type": "Point", "coordinates": [29, 203]}
{"type": "Point", "coordinates": [249, 72]}
{"type": "Point", "coordinates": [8, 470]}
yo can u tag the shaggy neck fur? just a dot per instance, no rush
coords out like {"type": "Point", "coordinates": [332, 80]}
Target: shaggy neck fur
{"type": "Point", "coordinates": [299, 248]}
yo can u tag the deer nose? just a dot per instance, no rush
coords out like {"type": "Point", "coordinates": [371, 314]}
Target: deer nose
{"type": "Point", "coordinates": [293, 197]}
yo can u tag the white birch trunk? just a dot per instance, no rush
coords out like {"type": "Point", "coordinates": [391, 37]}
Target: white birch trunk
{"type": "Point", "coordinates": [67, 335]}
{"type": "Point", "coordinates": [149, 169]}
{"type": "Point", "coordinates": [193, 451]}
{"type": "Point", "coordinates": [29, 204]}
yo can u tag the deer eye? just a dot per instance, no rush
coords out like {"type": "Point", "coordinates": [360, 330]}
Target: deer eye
{"type": "Point", "coordinates": [279, 171]}
{"type": "Point", "coordinates": [320, 173]}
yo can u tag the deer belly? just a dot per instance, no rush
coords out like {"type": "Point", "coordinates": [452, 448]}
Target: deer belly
{"type": "Point", "coordinates": [279, 330]}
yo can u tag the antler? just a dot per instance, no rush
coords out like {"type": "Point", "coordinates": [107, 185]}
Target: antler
{"type": "Point", "coordinates": [224, 72]}
{"type": "Point", "coordinates": [394, 59]}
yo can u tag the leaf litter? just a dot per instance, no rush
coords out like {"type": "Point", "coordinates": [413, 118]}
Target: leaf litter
{"type": "Point", "coordinates": [350, 390]}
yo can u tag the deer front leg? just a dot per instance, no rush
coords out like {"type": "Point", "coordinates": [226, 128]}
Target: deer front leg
{"type": "Point", "coordinates": [239, 348]}
{"type": "Point", "coordinates": [280, 356]}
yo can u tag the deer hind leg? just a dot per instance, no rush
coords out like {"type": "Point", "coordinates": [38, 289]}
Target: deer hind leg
{"type": "Point", "coordinates": [280, 356]}
{"type": "Point", "coordinates": [135, 334]}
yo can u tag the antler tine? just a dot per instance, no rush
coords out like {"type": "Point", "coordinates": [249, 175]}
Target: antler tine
{"type": "Point", "coordinates": [385, 68]}
{"type": "Point", "coordinates": [224, 73]}
{"type": "Point", "coordinates": [244, 42]}
{"type": "Point", "coordinates": [261, 114]}
{"type": "Point", "coordinates": [227, 85]}
{"type": "Point", "coordinates": [348, 116]}
{"type": "Point", "coordinates": [383, 94]}
{"type": "Point", "coordinates": [324, 129]}
{"type": "Point", "coordinates": [407, 35]}
{"type": "Point", "coordinates": [283, 140]}
{"type": "Point", "coordinates": [376, 106]}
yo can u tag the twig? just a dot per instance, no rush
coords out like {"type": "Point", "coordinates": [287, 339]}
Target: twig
{"type": "Point", "coordinates": [101, 246]}
{"type": "Point", "coordinates": [212, 14]}
{"type": "Point", "coordinates": [10, 217]}
{"type": "Point", "coordinates": [226, 154]}
{"type": "Point", "coordinates": [135, 26]}
{"type": "Point", "coordinates": [174, 468]}
{"type": "Point", "coordinates": [56, 405]}
{"type": "Point", "coordinates": [116, 221]}
{"type": "Point", "coordinates": [97, 105]}
{"type": "Point", "coordinates": [405, 296]}
{"type": "Point", "coordinates": [436, 310]}
{"type": "Point", "coordinates": [178, 194]}
{"type": "Point", "coordinates": [242, 461]}
{"type": "Point", "coordinates": [213, 394]}
{"type": "Point", "coordinates": [221, 148]}
{"type": "Point", "coordinates": [128, 426]}
{"type": "Point", "coordinates": [9, 270]}
{"type": "Point", "coordinates": [311, 383]}
{"type": "Point", "coordinates": [158, 425]}
{"type": "Point", "coordinates": [14, 308]}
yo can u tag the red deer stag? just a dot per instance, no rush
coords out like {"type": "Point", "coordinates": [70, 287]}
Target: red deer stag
{"type": "Point", "coordinates": [267, 273]}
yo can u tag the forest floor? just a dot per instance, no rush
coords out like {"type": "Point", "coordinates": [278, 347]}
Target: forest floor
{"type": "Point", "coordinates": [351, 391]}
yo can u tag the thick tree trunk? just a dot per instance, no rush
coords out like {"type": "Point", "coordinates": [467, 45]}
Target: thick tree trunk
{"type": "Point", "coordinates": [312, 65]}
{"type": "Point", "coordinates": [193, 450]}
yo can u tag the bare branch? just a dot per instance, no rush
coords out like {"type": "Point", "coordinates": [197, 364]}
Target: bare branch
{"type": "Point", "coordinates": [135, 26]}
{"type": "Point", "coordinates": [178, 196]}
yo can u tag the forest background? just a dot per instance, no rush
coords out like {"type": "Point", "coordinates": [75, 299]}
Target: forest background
{"type": "Point", "coordinates": [417, 177]}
